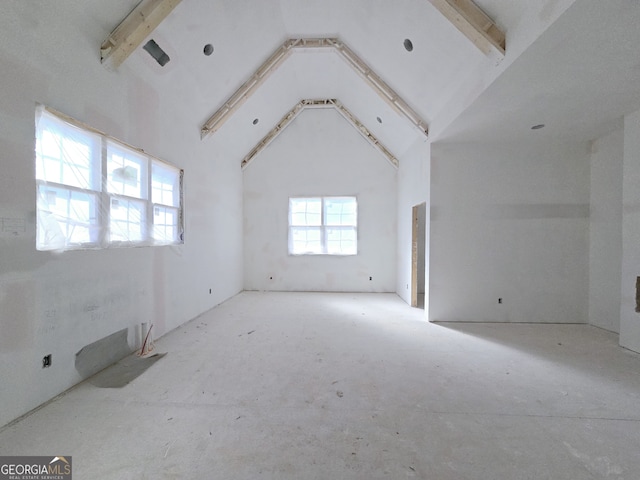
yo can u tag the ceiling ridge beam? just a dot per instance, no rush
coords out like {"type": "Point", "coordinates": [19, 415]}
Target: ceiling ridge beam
{"type": "Point", "coordinates": [476, 25]}
{"type": "Point", "coordinates": [282, 53]}
{"type": "Point", "coordinates": [316, 104]}
{"type": "Point", "coordinates": [132, 31]}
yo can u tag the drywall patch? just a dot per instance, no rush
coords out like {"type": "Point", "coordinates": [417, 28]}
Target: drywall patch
{"type": "Point", "coordinates": [99, 355]}
{"type": "Point", "coordinates": [124, 372]}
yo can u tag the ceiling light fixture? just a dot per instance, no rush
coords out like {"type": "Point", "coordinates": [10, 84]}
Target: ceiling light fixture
{"type": "Point", "coordinates": [538, 127]}
{"type": "Point", "coordinates": [408, 45]}
{"type": "Point", "coordinates": [208, 49]}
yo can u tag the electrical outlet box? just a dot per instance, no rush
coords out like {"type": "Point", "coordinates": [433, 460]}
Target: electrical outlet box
{"type": "Point", "coordinates": [46, 361]}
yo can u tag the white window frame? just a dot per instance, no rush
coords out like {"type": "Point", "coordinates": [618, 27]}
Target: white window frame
{"type": "Point", "coordinates": [53, 226]}
{"type": "Point", "coordinates": [323, 227]}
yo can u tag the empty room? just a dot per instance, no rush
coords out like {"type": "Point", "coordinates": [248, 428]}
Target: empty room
{"type": "Point", "coordinates": [286, 239]}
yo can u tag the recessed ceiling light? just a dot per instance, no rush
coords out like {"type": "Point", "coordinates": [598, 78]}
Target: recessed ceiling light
{"type": "Point", "coordinates": [538, 127]}
{"type": "Point", "coordinates": [208, 49]}
{"type": "Point", "coordinates": [255, 121]}
{"type": "Point", "coordinates": [379, 119]}
{"type": "Point", "coordinates": [408, 45]}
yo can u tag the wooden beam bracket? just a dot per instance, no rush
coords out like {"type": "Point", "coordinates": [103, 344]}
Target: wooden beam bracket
{"type": "Point", "coordinates": [132, 31]}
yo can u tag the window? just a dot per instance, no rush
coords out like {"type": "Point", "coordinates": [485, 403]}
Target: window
{"type": "Point", "coordinates": [96, 192]}
{"type": "Point", "coordinates": [323, 226]}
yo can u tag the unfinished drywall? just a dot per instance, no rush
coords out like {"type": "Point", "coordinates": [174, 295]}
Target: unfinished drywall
{"type": "Point", "coordinates": [413, 189]}
{"type": "Point", "coordinates": [319, 154]}
{"type": "Point", "coordinates": [58, 303]}
{"type": "Point", "coordinates": [509, 232]}
{"type": "Point", "coordinates": [605, 231]}
{"type": "Point", "coordinates": [629, 318]}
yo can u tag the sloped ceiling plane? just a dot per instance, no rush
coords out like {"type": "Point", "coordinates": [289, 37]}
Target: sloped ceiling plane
{"type": "Point", "coordinates": [465, 15]}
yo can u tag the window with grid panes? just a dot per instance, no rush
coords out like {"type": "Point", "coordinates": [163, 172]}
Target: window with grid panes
{"type": "Point", "coordinates": [94, 191]}
{"type": "Point", "coordinates": [323, 226]}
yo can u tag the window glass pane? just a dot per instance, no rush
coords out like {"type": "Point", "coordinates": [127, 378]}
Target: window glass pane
{"type": "Point", "coordinates": [340, 211]}
{"type": "Point", "coordinates": [127, 222]}
{"type": "Point", "coordinates": [72, 214]}
{"type": "Point", "coordinates": [165, 184]}
{"type": "Point", "coordinates": [323, 225]}
{"type": "Point", "coordinates": [165, 225]}
{"type": "Point", "coordinates": [66, 154]}
{"type": "Point", "coordinates": [341, 241]}
{"type": "Point", "coordinates": [305, 211]}
{"type": "Point", "coordinates": [126, 171]}
{"type": "Point", "coordinates": [65, 217]}
{"type": "Point", "coordinates": [305, 240]}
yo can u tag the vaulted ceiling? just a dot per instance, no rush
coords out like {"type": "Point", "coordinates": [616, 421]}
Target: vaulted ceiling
{"type": "Point", "coordinates": [557, 70]}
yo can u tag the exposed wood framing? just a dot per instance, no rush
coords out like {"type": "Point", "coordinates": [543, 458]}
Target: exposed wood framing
{"type": "Point", "coordinates": [282, 53]}
{"type": "Point", "coordinates": [131, 32]}
{"type": "Point", "coordinates": [324, 103]}
{"type": "Point", "coordinates": [414, 255]}
{"type": "Point", "coordinates": [474, 23]}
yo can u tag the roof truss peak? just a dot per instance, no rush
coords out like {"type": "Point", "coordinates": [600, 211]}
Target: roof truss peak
{"type": "Point", "coordinates": [322, 103]}
{"type": "Point", "coordinates": [280, 56]}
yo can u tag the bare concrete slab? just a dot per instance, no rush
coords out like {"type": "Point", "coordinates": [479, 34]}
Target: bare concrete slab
{"type": "Point", "coordinates": [354, 386]}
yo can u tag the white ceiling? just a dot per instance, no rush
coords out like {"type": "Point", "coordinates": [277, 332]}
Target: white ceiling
{"type": "Point", "coordinates": [563, 80]}
{"type": "Point", "coordinates": [579, 78]}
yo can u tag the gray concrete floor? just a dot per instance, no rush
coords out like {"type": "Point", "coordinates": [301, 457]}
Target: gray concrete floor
{"type": "Point", "coordinates": [319, 386]}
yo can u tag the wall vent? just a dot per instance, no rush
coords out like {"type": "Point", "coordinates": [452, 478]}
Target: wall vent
{"type": "Point", "coordinates": [156, 52]}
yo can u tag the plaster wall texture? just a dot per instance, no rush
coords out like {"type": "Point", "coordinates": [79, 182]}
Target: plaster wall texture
{"type": "Point", "coordinates": [605, 231]}
{"type": "Point", "coordinates": [57, 303]}
{"type": "Point", "coordinates": [413, 188]}
{"type": "Point", "coordinates": [629, 318]}
{"type": "Point", "coordinates": [319, 154]}
{"type": "Point", "coordinates": [509, 221]}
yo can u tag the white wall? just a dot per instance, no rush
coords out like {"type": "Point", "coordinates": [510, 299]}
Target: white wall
{"type": "Point", "coordinates": [511, 222]}
{"type": "Point", "coordinates": [629, 318]}
{"type": "Point", "coordinates": [57, 303]}
{"type": "Point", "coordinates": [605, 231]}
{"type": "Point", "coordinates": [318, 154]}
{"type": "Point", "coordinates": [413, 189]}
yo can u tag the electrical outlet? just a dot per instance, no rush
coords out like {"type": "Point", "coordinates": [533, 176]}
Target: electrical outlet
{"type": "Point", "coordinates": [46, 361]}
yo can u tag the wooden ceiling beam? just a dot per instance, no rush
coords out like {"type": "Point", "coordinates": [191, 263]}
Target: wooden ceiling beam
{"type": "Point", "coordinates": [318, 103]}
{"type": "Point", "coordinates": [282, 54]}
{"type": "Point", "coordinates": [476, 25]}
{"type": "Point", "coordinates": [132, 31]}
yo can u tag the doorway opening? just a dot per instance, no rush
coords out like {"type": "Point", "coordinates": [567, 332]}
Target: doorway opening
{"type": "Point", "coordinates": [418, 254]}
